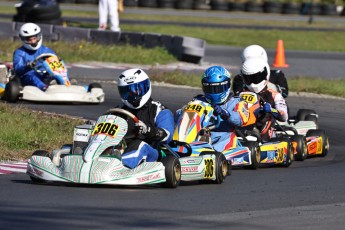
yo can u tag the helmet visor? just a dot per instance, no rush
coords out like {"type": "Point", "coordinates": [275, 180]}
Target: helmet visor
{"type": "Point", "coordinates": [215, 87]}
{"type": "Point", "coordinates": [31, 39]}
{"type": "Point", "coordinates": [134, 91]}
{"type": "Point", "coordinates": [255, 78]}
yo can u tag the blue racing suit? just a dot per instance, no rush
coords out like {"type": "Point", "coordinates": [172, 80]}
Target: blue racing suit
{"type": "Point", "coordinates": [28, 76]}
{"type": "Point", "coordinates": [161, 123]}
{"type": "Point", "coordinates": [221, 137]}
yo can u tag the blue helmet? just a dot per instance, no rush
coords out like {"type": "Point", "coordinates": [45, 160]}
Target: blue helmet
{"type": "Point", "coordinates": [216, 84]}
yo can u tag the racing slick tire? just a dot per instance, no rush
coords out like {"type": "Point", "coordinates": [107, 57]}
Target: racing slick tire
{"type": "Point", "coordinates": [93, 86]}
{"type": "Point", "coordinates": [255, 154]}
{"type": "Point", "coordinates": [222, 168]}
{"type": "Point", "coordinates": [172, 171]}
{"type": "Point", "coordinates": [325, 141]}
{"type": "Point", "coordinates": [12, 91]}
{"type": "Point", "coordinates": [303, 113]}
{"type": "Point", "coordinates": [290, 153]}
{"type": "Point", "coordinates": [42, 153]}
{"type": "Point", "coordinates": [302, 148]}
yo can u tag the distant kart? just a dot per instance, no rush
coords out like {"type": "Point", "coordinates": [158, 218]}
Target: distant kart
{"type": "Point", "coordinates": [192, 137]}
{"type": "Point", "coordinates": [60, 89]}
{"type": "Point", "coordinates": [95, 157]}
{"type": "Point", "coordinates": [277, 151]}
{"type": "Point", "coordinates": [305, 123]}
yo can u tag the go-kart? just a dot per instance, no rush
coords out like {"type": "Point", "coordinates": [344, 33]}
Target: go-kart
{"type": "Point", "coordinates": [95, 157]}
{"type": "Point", "coordinates": [192, 137]}
{"type": "Point", "coordinates": [279, 150]}
{"type": "Point", "coordinates": [60, 89]}
{"type": "Point", "coordinates": [305, 123]}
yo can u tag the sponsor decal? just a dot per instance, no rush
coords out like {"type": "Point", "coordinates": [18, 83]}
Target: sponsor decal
{"type": "Point", "coordinates": [270, 155]}
{"type": "Point", "coordinates": [238, 160]}
{"type": "Point", "coordinates": [189, 169]}
{"type": "Point", "coordinates": [148, 178]}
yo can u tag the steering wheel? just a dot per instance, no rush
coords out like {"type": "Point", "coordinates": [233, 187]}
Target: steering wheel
{"type": "Point", "coordinates": [39, 59]}
{"type": "Point", "coordinates": [127, 114]}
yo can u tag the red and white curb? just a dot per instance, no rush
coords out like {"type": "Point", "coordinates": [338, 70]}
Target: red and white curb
{"type": "Point", "coordinates": [13, 167]}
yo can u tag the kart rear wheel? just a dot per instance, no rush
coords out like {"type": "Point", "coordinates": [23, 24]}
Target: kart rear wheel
{"type": "Point", "coordinates": [93, 86]}
{"type": "Point", "coordinates": [222, 168]}
{"type": "Point", "coordinates": [325, 141]}
{"type": "Point", "coordinates": [12, 91]}
{"type": "Point", "coordinates": [42, 153]}
{"type": "Point", "coordinates": [302, 148]}
{"type": "Point", "coordinates": [255, 154]}
{"type": "Point", "coordinates": [172, 171]}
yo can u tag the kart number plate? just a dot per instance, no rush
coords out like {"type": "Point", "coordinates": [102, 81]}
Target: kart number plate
{"type": "Point", "coordinates": [55, 64]}
{"type": "Point", "coordinates": [249, 98]}
{"type": "Point", "coordinates": [195, 107]}
{"type": "Point", "coordinates": [105, 128]}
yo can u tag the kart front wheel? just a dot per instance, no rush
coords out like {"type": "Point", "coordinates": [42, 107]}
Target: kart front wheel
{"type": "Point", "coordinates": [325, 142]}
{"type": "Point", "coordinates": [255, 154]}
{"type": "Point", "coordinates": [303, 113]}
{"type": "Point", "coordinates": [289, 155]}
{"type": "Point", "coordinates": [222, 168]}
{"type": "Point", "coordinates": [172, 171]}
{"type": "Point", "coordinates": [301, 148]}
{"type": "Point", "coordinates": [12, 91]}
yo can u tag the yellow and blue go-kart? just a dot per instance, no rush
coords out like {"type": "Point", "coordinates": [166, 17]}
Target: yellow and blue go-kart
{"type": "Point", "coordinates": [279, 150]}
{"type": "Point", "coordinates": [192, 137]}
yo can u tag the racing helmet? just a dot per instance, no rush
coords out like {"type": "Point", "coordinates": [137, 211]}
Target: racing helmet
{"type": "Point", "coordinates": [134, 87]}
{"type": "Point", "coordinates": [255, 73]}
{"type": "Point", "coordinates": [216, 84]}
{"type": "Point", "coordinates": [254, 51]}
{"type": "Point", "coordinates": [29, 30]}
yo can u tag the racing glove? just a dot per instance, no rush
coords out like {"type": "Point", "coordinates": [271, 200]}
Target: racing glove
{"type": "Point", "coordinates": [150, 132]}
{"type": "Point", "coordinates": [31, 64]}
{"type": "Point", "coordinates": [267, 108]}
{"type": "Point", "coordinates": [220, 111]}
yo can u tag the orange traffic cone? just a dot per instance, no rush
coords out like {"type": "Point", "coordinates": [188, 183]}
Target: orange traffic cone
{"type": "Point", "coordinates": [279, 61]}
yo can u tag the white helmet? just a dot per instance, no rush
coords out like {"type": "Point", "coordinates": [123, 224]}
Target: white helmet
{"type": "Point", "coordinates": [29, 30]}
{"type": "Point", "coordinates": [254, 51]}
{"type": "Point", "coordinates": [255, 73]}
{"type": "Point", "coordinates": [134, 87]}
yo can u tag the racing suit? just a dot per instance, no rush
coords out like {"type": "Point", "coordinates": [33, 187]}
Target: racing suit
{"type": "Point", "coordinates": [277, 77]}
{"type": "Point", "coordinates": [161, 123]}
{"type": "Point", "coordinates": [110, 7]}
{"type": "Point", "coordinates": [280, 113]}
{"type": "Point", "coordinates": [222, 137]}
{"type": "Point", "coordinates": [28, 76]}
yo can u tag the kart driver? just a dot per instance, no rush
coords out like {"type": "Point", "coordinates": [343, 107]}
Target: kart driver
{"type": "Point", "coordinates": [23, 57]}
{"type": "Point", "coordinates": [156, 122]}
{"type": "Point", "coordinates": [233, 111]}
{"type": "Point", "coordinates": [277, 77]}
{"type": "Point", "coordinates": [256, 74]}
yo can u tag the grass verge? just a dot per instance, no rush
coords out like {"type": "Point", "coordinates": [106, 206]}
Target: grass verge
{"type": "Point", "coordinates": [23, 131]}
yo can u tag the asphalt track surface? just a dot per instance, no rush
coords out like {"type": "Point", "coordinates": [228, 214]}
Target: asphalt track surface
{"type": "Point", "coordinates": [307, 195]}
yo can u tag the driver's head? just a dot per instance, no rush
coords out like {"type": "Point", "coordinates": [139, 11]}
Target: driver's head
{"type": "Point", "coordinates": [134, 87]}
{"type": "Point", "coordinates": [31, 36]}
